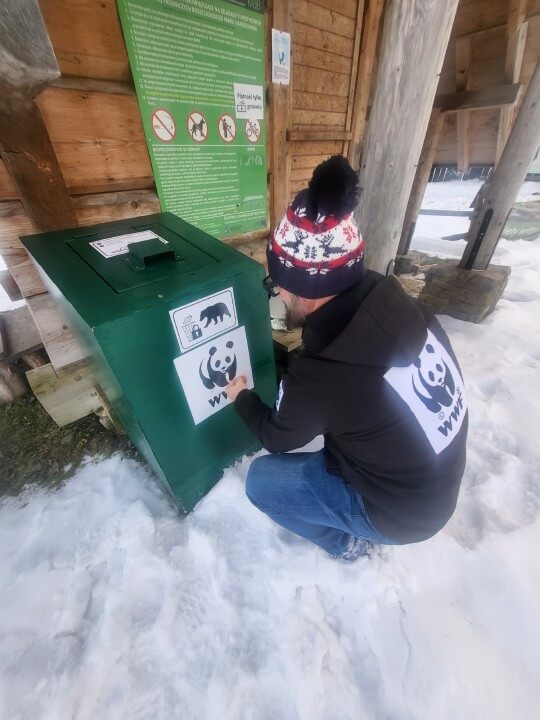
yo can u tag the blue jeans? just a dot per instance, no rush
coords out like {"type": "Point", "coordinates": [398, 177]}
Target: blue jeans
{"type": "Point", "coordinates": [298, 493]}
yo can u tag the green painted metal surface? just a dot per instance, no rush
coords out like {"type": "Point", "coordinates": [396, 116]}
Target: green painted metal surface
{"type": "Point", "coordinates": [119, 306]}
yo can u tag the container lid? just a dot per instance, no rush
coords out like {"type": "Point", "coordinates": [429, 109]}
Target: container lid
{"type": "Point", "coordinates": [130, 259]}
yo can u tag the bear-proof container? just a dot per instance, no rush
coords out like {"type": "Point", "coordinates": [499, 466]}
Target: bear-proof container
{"type": "Point", "coordinates": [167, 315]}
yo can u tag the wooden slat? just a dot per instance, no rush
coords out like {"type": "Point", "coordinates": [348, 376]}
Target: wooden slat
{"type": "Point", "coordinates": [309, 57]}
{"type": "Point", "coordinates": [87, 38]}
{"type": "Point", "coordinates": [475, 15]}
{"type": "Point", "coordinates": [325, 83]}
{"type": "Point", "coordinates": [303, 136]}
{"type": "Point", "coordinates": [320, 40]}
{"type": "Point", "coordinates": [314, 101]}
{"type": "Point", "coordinates": [19, 332]}
{"type": "Point", "coordinates": [308, 161]}
{"type": "Point", "coordinates": [62, 347]}
{"type": "Point", "coordinates": [326, 147]}
{"type": "Point", "coordinates": [302, 174]}
{"type": "Point", "coordinates": [280, 97]}
{"type": "Point", "coordinates": [24, 273]}
{"type": "Point", "coordinates": [354, 71]}
{"type": "Point", "coordinates": [98, 138]}
{"type": "Point", "coordinates": [8, 191]}
{"type": "Point", "coordinates": [364, 78]}
{"type": "Point", "coordinates": [344, 7]}
{"type": "Point", "coordinates": [322, 18]}
{"type": "Point", "coordinates": [67, 394]}
{"type": "Point", "coordinates": [317, 120]}
{"type": "Point", "coordinates": [491, 97]}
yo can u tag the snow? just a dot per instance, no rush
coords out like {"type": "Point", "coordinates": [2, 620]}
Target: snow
{"type": "Point", "coordinates": [453, 195]}
{"type": "Point", "coordinates": [113, 607]}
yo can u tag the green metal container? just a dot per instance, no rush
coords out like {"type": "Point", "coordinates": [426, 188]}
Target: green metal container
{"type": "Point", "coordinates": [168, 315]}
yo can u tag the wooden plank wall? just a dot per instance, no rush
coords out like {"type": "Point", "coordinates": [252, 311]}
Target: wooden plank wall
{"type": "Point", "coordinates": [484, 21]}
{"type": "Point", "coordinates": [325, 43]}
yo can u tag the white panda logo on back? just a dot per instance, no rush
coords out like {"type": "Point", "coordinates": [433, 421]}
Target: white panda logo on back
{"type": "Point", "coordinates": [432, 379]}
{"type": "Point", "coordinates": [433, 389]}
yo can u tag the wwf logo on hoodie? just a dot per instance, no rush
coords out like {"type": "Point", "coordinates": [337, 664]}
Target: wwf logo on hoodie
{"type": "Point", "coordinates": [433, 389]}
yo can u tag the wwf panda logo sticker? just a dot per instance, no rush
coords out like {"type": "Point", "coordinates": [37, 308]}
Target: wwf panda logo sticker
{"type": "Point", "coordinates": [197, 322]}
{"type": "Point", "coordinates": [433, 389]}
{"type": "Point", "coordinates": [206, 371]}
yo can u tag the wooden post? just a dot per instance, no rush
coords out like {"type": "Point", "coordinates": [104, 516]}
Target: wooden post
{"type": "Point", "coordinates": [364, 77]}
{"type": "Point", "coordinates": [27, 65]}
{"type": "Point", "coordinates": [463, 82]}
{"type": "Point", "coordinates": [281, 103]}
{"type": "Point", "coordinates": [436, 121]}
{"type": "Point", "coordinates": [516, 33]}
{"type": "Point", "coordinates": [414, 42]}
{"type": "Point", "coordinates": [499, 196]}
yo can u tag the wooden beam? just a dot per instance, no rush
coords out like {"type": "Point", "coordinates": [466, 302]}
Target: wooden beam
{"type": "Point", "coordinates": [112, 87]}
{"type": "Point", "coordinates": [516, 33]}
{"type": "Point", "coordinates": [414, 41]}
{"type": "Point", "coordinates": [62, 347]}
{"type": "Point", "coordinates": [463, 83]}
{"type": "Point", "coordinates": [68, 394]}
{"type": "Point", "coordinates": [27, 65]}
{"type": "Point", "coordinates": [360, 7]}
{"type": "Point", "coordinates": [281, 104]}
{"type": "Point", "coordinates": [19, 332]}
{"type": "Point", "coordinates": [421, 178]}
{"type": "Point", "coordinates": [500, 194]}
{"type": "Point", "coordinates": [364, 78]}
{"type": "Point", "coordinates": [493, 97]}
{"type": "Point", "coordinates": [315, 135]}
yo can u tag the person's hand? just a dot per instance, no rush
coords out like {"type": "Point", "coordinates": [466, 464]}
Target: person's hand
{"type": "Point", "coordinates": [235, 387]}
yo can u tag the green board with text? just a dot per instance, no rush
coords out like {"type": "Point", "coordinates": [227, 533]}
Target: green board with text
{"type": "Point", "coordinates": [198, 67]}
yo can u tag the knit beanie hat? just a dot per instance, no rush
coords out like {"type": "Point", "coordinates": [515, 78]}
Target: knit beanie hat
{"type": "Point", "coordinates": [316, 250]}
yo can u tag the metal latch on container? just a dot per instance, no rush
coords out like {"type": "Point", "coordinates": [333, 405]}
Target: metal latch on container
{"type": "Point", "coordinates": [150, 253]}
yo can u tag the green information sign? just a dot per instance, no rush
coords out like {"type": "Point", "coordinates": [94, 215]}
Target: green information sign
{"type": "Point", "coordinates": [198, 67]}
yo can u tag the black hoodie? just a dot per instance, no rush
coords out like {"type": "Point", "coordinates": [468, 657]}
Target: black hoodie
{"type": "Point", "coordinates": [378, 378]}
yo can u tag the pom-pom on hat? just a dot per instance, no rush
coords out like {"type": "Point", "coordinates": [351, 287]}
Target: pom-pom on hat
{"type": "Point", "coordinates": [316, 250]}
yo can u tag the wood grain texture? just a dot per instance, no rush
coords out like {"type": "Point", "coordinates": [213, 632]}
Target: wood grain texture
{"type": "Point", "coordinates": [98, 138]}
{"type": "Point", "coordinates": [61, 345]}
{"type": "Point", "coordinates": [321, 81]}
{"type": "Point", "coordinates": [499, 196]}
{"type": "Point", "coordinates": [414, 41]}
{"type": "Point", "coordinates": [491, 97]}
{"type": "Point", "coordinates": [309, 57]}
{"type": "Point", "coordinates": [361, 94]}
{"type": "Point", "coordinates": [8, 191]}
{"type": "Point", "coordinates": [516, 31]}
{"type": "Point", "coordinates": [308, 36]}
{"type": "Point", "coordinates": [67, 394]}
{"type": "Point", "coordinates": [423, 170]}
{"type": "Point", "coordinates": [87, 38]}
{"type": "Point", "coordinates": [281, 97]}
{"type": "Point", "coordinates": [463, 83]}
{"type": "Point", "coordinates": [323, 18]}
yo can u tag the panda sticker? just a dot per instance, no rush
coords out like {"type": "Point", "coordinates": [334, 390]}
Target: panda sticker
{"type": "Point", "coordinates": [205, 372]}
{"type": "Point", "coordinates": [219, 368]}
{"type": "Point", "coordinates": [433, 389]}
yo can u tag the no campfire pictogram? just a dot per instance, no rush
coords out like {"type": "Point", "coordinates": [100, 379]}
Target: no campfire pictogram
{"type": "Point", "coordinates": [163, 125]}
{"type": "Point", "coordinates": [197, 126]}
{"type": "Point", "coordinates": [227, 128]}
{"type": "Point", "coordinates": [253, 130]}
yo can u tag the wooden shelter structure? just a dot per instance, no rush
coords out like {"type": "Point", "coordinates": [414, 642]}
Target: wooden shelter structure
{"type": "Point", "coordinates": [394, 85]}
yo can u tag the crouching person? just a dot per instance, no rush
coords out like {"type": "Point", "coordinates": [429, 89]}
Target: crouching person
{"type": "Point", "coordinates": [377, 377]}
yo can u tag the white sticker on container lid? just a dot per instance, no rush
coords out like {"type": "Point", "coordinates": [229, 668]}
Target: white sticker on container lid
{"type": "Point", "coordinates": [118, 245]}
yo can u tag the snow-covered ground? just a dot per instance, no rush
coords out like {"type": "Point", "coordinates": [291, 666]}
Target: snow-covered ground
{"type": "Point", "coordinates": [112, 607]}
{"type": "Point", "coordinates": [454, 195]}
